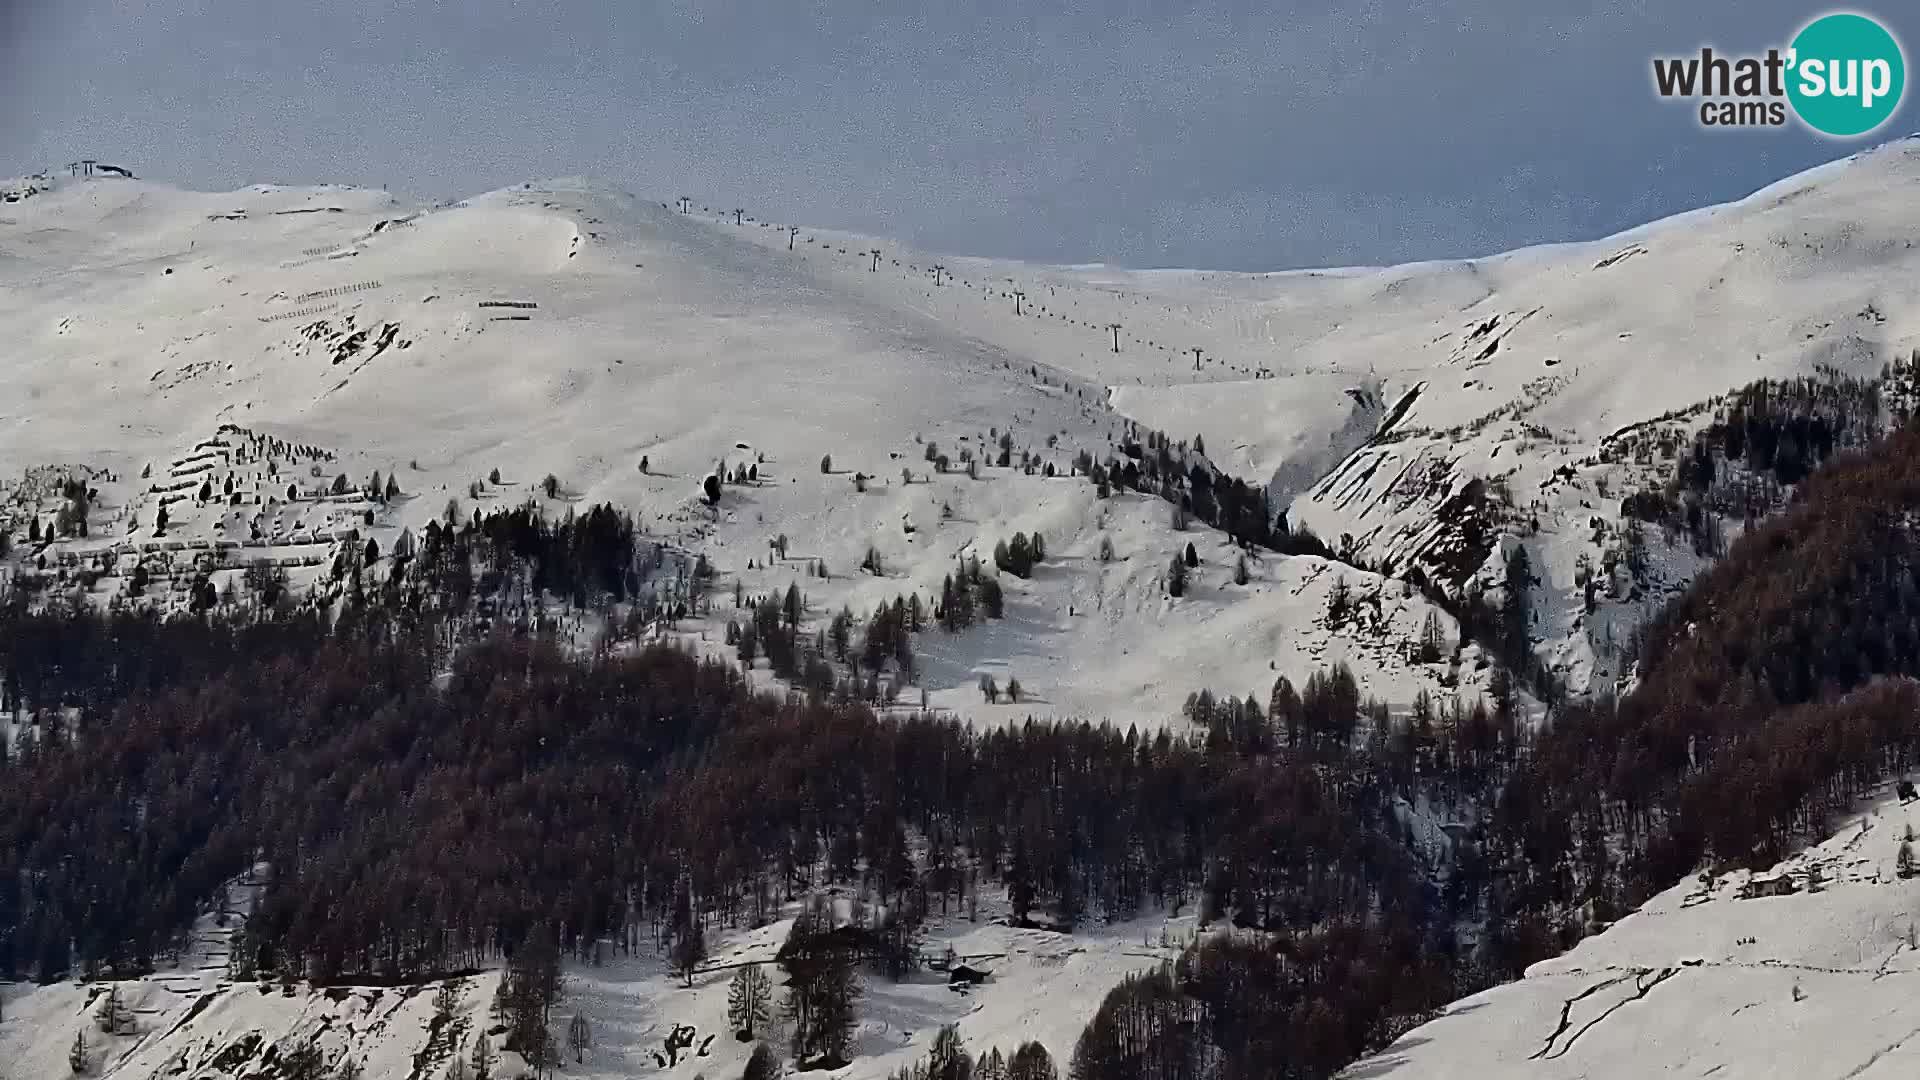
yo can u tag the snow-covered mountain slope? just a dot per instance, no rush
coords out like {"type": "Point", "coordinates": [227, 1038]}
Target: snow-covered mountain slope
{"type": "Point", "coordinates": [1372, 398]}
{"type": "Point", "coordinates": [226, 356]}
{"type": "Point", "coordinates": [330, 331]}
{"type": "Point", "coordinates": [254, 345]}
{"type": "Point", "coordinates": [1805, 271]}
{"type": "Point", "coordinates": [235, 1030]}
{"type": "Point", "coordinates": [192, 1021]}
{"type": "Point", "coordinates": [1708, 979]}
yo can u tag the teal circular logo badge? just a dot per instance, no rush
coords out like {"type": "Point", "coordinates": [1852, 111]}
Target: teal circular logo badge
{"type": "Point", "coordinates": [1846, 74]}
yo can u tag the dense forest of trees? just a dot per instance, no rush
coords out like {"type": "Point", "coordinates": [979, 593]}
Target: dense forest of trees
{"type": "Point", "coordinates": [1765, 438]}
{"type": "Point", "coordinates": [535, 789]}
{"type": "Point", "coordinates": [404, 829]}
{"type": "Point", "coordinates": [1237, 1007]}
{"type": "Point", "coordinates": [1764, 702]}
{"type": "Point", "coordinates": [1151, 463]}
{"type": "Point", "coordinates": [587, 559]}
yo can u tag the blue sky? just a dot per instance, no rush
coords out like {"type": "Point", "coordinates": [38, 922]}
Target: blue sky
{"type": "Point", "coordinates": [1258, 136]}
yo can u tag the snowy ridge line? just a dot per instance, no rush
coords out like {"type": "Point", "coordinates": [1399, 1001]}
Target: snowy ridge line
{"type": "Point", "coordinates": [298, 313]}
{"type": "Point", "coordinates": [337, 290]}
{"type": "Point", "coordinates": [528, 304]}
{"type": "Point", "coordinates": [324, 249]}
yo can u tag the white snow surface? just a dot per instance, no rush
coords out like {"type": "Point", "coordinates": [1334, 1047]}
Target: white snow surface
{"type": "Point", "coordinates": [1366, 397]}
{"type": "Point", "coordinates": [169, 333]}
{"type": "Point", "coordinates": [1700, 982]}
{"type": "Point", "coordinates": [1042, 986]}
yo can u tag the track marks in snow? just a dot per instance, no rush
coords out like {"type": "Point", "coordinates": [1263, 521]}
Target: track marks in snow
{"type": "Point", "coordinates": [1874, 1059]}
{"type": "Point", "coordinates": [1644, 980]}
{"type": "Point", "coordinates": [1566, 1013]}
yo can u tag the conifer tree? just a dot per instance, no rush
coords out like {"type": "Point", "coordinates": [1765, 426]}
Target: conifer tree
{"type": "Point", "coordinates": [822, 992]}
{"type": "Point", "coordinates": [947, 1059]}
{"type": "Point", "coordinates": [1516, 639]}
{"type": "Point", "coordinates": [1430, 639]}
{"type": "Point", "coordinates": [993, 599]}
{"type": "Point", "coordinates": [1031, 1062]}
{"type": "Point", "coordinates": [689, 950]}
{"type": "Point", "coordinates": [749, 1001]}
{"type": "Point", "coordinates": [763, 1064]}
{"type": "Point", "coordinates": [482, 1058]}
{"type": "Point", "coordinates": [579, 1038]}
